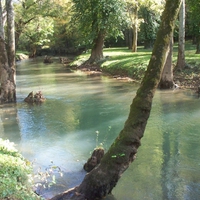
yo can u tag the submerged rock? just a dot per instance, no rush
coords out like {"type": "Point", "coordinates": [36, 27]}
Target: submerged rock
{"type": "Point", "coordinates": [35, 98]}
{"type": "Point", "coordinates": [47, 59]}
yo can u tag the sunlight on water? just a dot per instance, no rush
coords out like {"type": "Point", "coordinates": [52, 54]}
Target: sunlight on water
{"type": "Point", "coordinates": [63, 131]}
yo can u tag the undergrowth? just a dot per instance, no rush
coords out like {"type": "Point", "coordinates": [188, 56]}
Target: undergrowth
{"type": "Point", "coordinates": [15, 174]}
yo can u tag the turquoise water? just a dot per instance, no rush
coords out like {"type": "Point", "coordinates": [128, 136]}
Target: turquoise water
{"type": "Point", "coordinates": [84, 111]}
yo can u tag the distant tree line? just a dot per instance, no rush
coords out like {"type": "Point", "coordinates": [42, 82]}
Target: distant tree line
{"type": "Point", "coordinates": [72, 26]}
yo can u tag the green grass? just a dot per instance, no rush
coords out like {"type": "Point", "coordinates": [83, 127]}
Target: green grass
{"type": "Point", "coordinates": [190, 56]}
{"type": "Point", "coordinates": [126, 63]}
{"type": "Point", "coordinates": [123, 62]}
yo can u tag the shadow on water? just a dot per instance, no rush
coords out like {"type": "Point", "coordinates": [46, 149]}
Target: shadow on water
{"type": "Point", "coordinates": [82, 112]}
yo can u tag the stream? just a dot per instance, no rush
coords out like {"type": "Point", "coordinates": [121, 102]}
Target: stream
{"type": "Point", "coordinates": [84, 111]}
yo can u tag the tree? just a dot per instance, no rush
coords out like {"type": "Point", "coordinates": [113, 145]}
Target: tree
{"type": "Point", "coordinates": [194, 18]}
{"type": "Point", "coordinates": [149, 26]}
{"type": "Point", "coordinates": [181, 43]}
{"type": "Point", "coordinates": [133, 14]}
{"type": "Point", "coordinates": [144, 17]}
{"type": "Point", "coordinates": [37, 34]}
{"type": "Point", "coordinates": [7, 56]}
{"type": "Point", "coordinates": [28, 12]}
{"type": "Point", "coordinates": [95, 19]}
{"type": "Point", "coordinates": [166, 81]}
{"type": "Point", "coordinates": [65, 34]}
{"type": "Point", "coordinates": [101, 180]}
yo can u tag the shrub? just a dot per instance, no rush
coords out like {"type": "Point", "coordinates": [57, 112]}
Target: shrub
{"type": "Point", "coordinates": [15, 174]}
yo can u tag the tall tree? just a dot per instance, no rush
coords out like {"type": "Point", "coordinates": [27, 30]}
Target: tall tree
{"type": "Point", "coordinates": [37, 34]}
{"type": "Point", "coordinates": [194, 17]}
{"type": "Point", "coordinates": [181, 43]}
{"type": "Point", "coordinates": [133, 7]}
{"type": "Point", "coordinates": [30, 11]}
{"type": "Point", "coordinates": [149, 26]}
{"type": "Point", "coordinates": [103, 178]}
{"type": "Point", "coordinates": [98, 19]}
{"type": "Point", "coordinates": [7, 56]}
{"type": "Point", "coordinates": [10, 34]}
{"type": "Point", "coordinates": [150, 11]}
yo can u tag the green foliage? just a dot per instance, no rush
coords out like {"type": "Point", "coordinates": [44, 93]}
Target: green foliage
{"type": "Point", "coordinates": [15, 174]}
{"type": "Point", "coordinates": [122, 61]}
{"type": "Point", "coordinates": [193, 15]}
{"type": "Point", "coordinates": [93, 16]}
{"type": "Point", "coordinates": [148, 16]}
{"type": "Point", "coordinates": [39, 32]}
{"type": "Point", "coordinates": [149, 26]}
{"type": "Point", "coordinates": [35, 21]}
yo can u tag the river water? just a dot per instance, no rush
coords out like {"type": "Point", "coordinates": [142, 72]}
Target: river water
{"type": "Point", "coordinates": [84, 111]}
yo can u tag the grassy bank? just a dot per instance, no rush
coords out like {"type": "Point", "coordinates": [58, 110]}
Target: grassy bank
{"type": "Point", "coordinates": [15, 174]}
{"type": "Point", "coordinates": [123, 62]}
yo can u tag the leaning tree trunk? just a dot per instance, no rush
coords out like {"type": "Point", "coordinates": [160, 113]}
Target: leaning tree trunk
{"type": "Point", "coordinates": [7, 66]}
{"type": "Point", "coordinates": [97, 49]}
{"type": "Point", "coordinates": [103, 178]}
{"type": "Point", "coordinates": [166, 81]}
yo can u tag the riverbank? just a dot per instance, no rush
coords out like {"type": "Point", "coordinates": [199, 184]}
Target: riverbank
{"type": "Point", "coordinates": [123, 64]}
{"type": "Point", "coordinates": [21, 55]}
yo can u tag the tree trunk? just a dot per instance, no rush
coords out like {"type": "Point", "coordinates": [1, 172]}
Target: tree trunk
{"type": "Point", "coordinates": [1, 21]}
{"type": "Point", "coordinates": [103, 178]}
{"type": "Point", "coordinates": [181, 44]}
{"type": "Point", "coordinates": [130, 38]}
{"type": "Point", "coordinates": [134, 46]}
{"type": "Point", "coordinates": [97, 49]}
{"type": "Point", "coordinates": [166, 81]}
{"type": "Point", "coordinates": [10, 34]}
{"type": "Point", "coordinates": [198, 44]}
{"type": "Point", "coordinates": [7, 66]}
{"type": "Point", "coordinates": [135, 29]}
{"type": "Point", "coordinates": [18, 32]}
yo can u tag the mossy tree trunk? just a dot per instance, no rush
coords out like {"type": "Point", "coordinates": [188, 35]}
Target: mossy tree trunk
{"type": "Point", "coordinates": [7, 56]}
{"type": "Point", "coordinates": [103, 178]}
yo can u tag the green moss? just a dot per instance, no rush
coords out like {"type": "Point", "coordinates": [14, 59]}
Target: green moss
{"type": "Point", "coordinates": [15, 174]}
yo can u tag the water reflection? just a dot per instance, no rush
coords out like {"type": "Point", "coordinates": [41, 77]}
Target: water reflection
{"type": "Point", "coordinates": [64, 130]}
